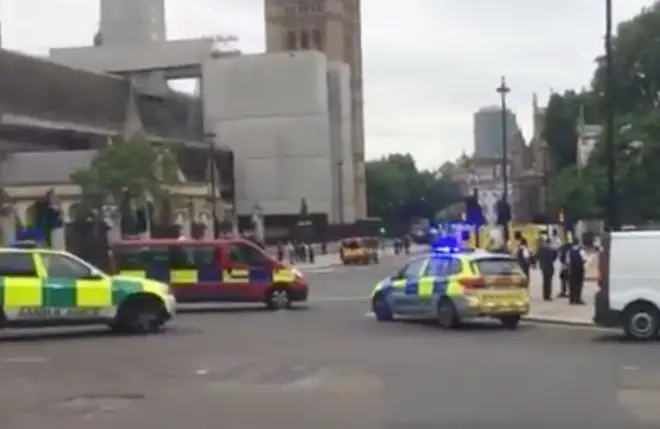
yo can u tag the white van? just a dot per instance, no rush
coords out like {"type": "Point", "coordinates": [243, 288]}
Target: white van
{"type": "Point", "coordinates": [629, 280]}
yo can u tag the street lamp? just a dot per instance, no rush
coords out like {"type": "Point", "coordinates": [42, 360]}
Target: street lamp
{"type": "Point", "coordinates": [612, 214]}
{"type": "Point", "coordinates": [504, 90]}
{"type": "Point", "coordinates": [210, 139]}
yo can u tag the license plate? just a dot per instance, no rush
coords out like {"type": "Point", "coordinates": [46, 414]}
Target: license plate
{"type": "Point", "coordinates": [502, 297]}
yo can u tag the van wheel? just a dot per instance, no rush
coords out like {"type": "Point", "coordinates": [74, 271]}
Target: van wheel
{"type": "Point", "coordinates": [447, 315]}
{"type": "Point", "coordinates": [641, 321]}
{"type": "Point", "coordinates": [278, 298]}
{"type": "Point", "coordinates": [3, 319]}
{"type": "Point", "coordinates": [510, 322]}
{"type": "Point", "coordinates": [139, 315]}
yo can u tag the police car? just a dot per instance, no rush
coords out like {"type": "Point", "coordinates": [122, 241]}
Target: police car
{"type": "Point", "coordinates": [452, 285]}
{"type": "Point", "coordinates": [43, 287]}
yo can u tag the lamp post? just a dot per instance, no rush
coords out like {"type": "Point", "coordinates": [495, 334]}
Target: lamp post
{"type": "Point", "coordinates": [210, 139]}
{"type": "Point", "coordinates": [612, 212]}
{"type": "Point", "coordinates": [504, 90]}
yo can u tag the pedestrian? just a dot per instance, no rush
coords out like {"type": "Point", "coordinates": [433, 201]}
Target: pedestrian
{"type": "Point", "coordinates": [280, 251]}
{"type": "Point", "coordinates": [524, 256]}
{"type": "Point", "coordinates": [291, 250]}
{"type": "Point", "coordinates": [547, 256]}
{"type": "Point", "coordinates": [310, 253]}
{"type": "Point", "coordinates": [577, 258]}
{"type": "Point", "coordinates": [563, 273]}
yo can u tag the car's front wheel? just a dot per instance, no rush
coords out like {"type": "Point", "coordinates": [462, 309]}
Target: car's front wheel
{"type": "Point", "coordinates": [381, 308]}
{"type": "Point", "coordinates": [278, 298]}
{"type": "Point", "coordinates": [510, 322]}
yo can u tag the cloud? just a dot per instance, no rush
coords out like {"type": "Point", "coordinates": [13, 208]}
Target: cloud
{"type": "Point", "coordinates": [429, 64]}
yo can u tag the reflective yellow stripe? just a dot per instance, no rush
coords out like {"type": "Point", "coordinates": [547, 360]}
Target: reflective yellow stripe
{"type": "Point", "coordinates": [425, 287]}
{"type": "Point", "coordinates": [138, 274]}
{"type": "Point", "coordinates": [178, 277]}
{"type": "Point", "coordinates": [94, 293]}
{"type": "Point", "coordinates": [236, 276]}
{"type": "Point", "coordinates": [454, 287]}
{"type": "Point", "coordinates": [23, 292]}
{"type": "Point", "coordinates": [284, 275]}
{"type": "Point", "coordinates": [399, 284]}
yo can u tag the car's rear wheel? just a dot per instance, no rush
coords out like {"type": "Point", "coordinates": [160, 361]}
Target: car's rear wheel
{"type": "Point", "coordinates": [447, 315]}
{"type": "Point", "coordinates": [142, 314]}
{"type": "Point", "coordinates": [381, 308]}
{"type": "Point", "coordinates": [278, 298]}
{"type": "Point", "coordinates": [510, 322]}
{"type": "Point", "coordinates": [641, 321]}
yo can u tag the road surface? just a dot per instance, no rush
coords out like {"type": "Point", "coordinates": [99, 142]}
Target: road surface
{"type": "Point", "coordinates": [327, 366]}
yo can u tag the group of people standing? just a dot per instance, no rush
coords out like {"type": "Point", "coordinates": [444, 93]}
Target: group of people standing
{"type": "Point", "coordinates": [296, 252]}
{"type": "Point", "coordinates": [571, 259]}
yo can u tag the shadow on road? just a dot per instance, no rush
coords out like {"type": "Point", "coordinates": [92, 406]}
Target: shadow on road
{"type": "Point", "coordinates": [617, 338]}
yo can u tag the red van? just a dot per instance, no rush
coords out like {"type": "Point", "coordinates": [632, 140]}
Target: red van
{"type": "Point", "coordinates": [222, 270]}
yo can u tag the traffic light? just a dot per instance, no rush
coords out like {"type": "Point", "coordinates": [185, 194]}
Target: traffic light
{"type": "Point", "coordinates": [473, 212]}
{"type": "Point", "coordinates": [503, 212]}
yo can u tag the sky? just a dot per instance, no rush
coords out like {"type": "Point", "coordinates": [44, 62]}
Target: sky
{"type": "Point", "coordinates": [428, 64]}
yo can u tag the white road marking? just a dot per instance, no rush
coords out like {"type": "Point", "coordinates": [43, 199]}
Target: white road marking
{"type": "Point", "coordinates": [23, 359]}
{"type": "Point", "coordinates": [338, 299]}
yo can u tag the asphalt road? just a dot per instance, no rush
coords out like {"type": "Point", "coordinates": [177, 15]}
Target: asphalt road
{"type": "Point", "coordinates": [327, 366]}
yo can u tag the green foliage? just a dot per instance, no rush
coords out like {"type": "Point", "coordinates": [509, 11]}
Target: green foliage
{"type": "Point", "coordinates": [397, 189]}
{"type": "Point", "coordinates": [126, 167]}
{"type": "Point", "coordinates": [560, 127]}
{"type": "Point", "coordinates": [636, 82]}
{"type": "Point", "coordinates": [636, 61]}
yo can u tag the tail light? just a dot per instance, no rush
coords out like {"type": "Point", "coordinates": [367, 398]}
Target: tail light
{"type": "Point", "coordinates": [473, 283]}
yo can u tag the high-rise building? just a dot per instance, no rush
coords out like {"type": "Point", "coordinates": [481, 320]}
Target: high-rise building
{"type": "Point", "coordinates": [132, 22]}
{"type": "Point", "coordinates": [332, 27]}
{"type": "Point", "coordinates": [488, 132]}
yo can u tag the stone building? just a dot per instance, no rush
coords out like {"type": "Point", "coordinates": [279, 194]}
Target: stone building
{"type": "Point", "coordinates": [53, 118]}
{"type": "Point", "coordinates": [335, 28]}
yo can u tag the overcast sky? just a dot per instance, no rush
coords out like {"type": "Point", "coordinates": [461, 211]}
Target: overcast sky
{"type": "Point", "coordinates": [429, 64]}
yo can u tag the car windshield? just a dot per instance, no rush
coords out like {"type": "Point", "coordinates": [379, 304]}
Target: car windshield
{"type": "Point", "coordinates": [497, 266]}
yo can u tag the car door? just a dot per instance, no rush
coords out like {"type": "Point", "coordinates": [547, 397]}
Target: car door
{"type": "Point", "coordinates": [404, 293]}
{"type": "Point", "coordinates": [246, 273]}
{"type": "Point", "coordinates": [21, 295]}
{"type": "Point", "coordinates": [436, 277]}
{"type": "Point", "coordinates": [73, 289]}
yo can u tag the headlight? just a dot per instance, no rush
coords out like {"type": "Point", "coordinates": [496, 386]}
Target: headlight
{"type": "Point", "coordinates": [296, 272]}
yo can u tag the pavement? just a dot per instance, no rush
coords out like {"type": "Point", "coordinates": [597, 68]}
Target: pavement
{"type": "Point", "coordinates": [324, 366]}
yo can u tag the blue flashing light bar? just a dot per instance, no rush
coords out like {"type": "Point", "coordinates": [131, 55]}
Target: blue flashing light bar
{"type": "Point", "coordinates": [447, 245]}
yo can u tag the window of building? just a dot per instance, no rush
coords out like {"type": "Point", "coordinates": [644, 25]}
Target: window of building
{"type": "Point", "coordinates": [317, 39]}
{"type": "Point", "coordinates": [291, 41]}
{"type": "Point", "coordinates": [304, 40]}
{"type": "Point", "coordinates": [303, 7]}
{"type": "Point", "coordinates": [290, 11]}
{"type": "Point", "coordinates": [318, 7]}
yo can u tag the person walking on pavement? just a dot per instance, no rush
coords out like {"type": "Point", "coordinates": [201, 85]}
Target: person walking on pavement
{"type": "Point", "coordinates": [280, 251]}
{"type": "Point", "coordinates": [563, 273]}
{"type": "Point", "coordinates": [524, 256]}
{"type": "Point", "coordinates": [547, 256]}
{"type": "Point", "coordinates": [577, 258]}
{"type": "Point", "coordinates": [291, 250]}
{"type": "Point", "coordinates": [310, 253]}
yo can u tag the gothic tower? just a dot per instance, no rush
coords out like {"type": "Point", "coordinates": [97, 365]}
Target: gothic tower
{"type": "Point", "coordinates": [132, 22]}
{"type": "Point", "coordinates": [333, 27]}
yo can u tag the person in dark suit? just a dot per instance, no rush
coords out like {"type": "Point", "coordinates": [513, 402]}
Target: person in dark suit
{"type": "Point", "coordinates": [547, 255]}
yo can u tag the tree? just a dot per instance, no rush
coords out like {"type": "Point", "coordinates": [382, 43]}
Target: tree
{"type": "Point", "coordinates": [396, 189]}
{"type": "Point", "coordinates": [126, 169]}
{"type": "Point", "coordinates": [560, 127]}
{"type": "Point", "coordinates": [636, 63]}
